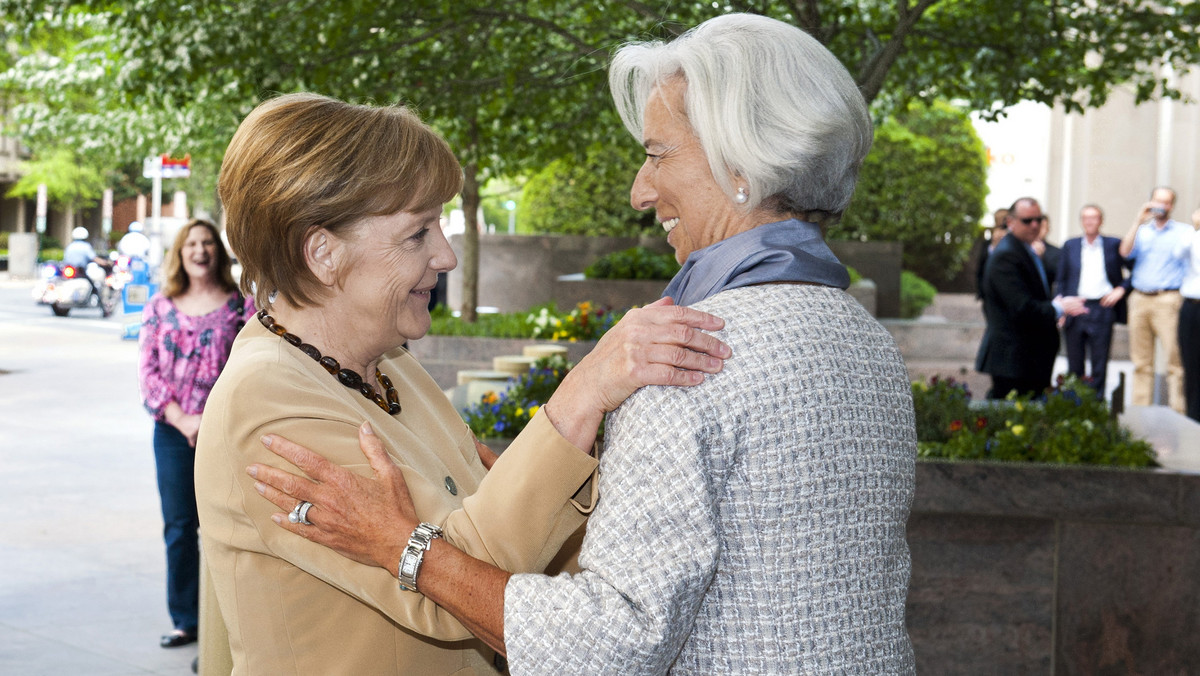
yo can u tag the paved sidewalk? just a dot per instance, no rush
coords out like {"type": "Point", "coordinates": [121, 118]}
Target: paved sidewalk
{"type": "Point", "coordinates": [82, 571]}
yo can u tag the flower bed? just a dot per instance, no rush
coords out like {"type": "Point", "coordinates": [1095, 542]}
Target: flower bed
{"type": "Point", "coordinates": [504, 415]}
{"type": "Point", "coordinates": [544, 322]}
{"type": "Point", "coordinates": [1070, 425]}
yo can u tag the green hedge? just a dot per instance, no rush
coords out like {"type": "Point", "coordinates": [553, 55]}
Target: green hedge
{"type": "Point", "coordinates": [634, 263]}
{"type": "Point", "coordinates": [916, 294]}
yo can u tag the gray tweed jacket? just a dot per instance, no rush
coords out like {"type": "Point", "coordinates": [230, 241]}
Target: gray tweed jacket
{"type": "Point", "coordinates": [754, 524]}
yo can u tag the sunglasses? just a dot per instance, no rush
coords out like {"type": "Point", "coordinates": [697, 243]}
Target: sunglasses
{"type": "Point", "coordinates": [1033, 219]}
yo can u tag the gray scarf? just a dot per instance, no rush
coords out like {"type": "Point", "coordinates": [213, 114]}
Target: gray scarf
{"type": "Point", "coordinates": [786, 251]}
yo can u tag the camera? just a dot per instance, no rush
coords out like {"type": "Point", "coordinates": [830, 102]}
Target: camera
{"type": "Point", "coordinates": [1158, 211]}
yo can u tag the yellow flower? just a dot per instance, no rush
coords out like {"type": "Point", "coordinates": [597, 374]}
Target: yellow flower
{"type": "Point", "coordinates": [1018, 430]}
{"type": "Point", "coordinates": [490, 398]}
{"type": "Point", "coordinates": [1020, 406]}
{"type": "Point", "coordinates": [520, 412]}
{"type": "Point", "coordinates": [533, 410]}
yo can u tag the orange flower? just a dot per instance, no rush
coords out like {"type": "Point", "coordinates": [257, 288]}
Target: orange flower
{"type": "Point", "coordinates": [980, 423]}
{"type": "Point", "coordinates": [956, 425]}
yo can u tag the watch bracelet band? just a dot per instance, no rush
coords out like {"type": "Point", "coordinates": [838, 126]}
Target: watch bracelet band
{"type": "Point", "coordinates": [414, 554]}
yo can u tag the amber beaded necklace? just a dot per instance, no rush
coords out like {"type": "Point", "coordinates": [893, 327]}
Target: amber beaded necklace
{"type": "Point", "coordinates": [346, 377]}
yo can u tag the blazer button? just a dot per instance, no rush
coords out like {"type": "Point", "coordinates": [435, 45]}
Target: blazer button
{"type": "Point", "coordinates": [451, 486]}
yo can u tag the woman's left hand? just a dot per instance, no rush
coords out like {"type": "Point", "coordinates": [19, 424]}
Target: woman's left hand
{"type": "Point", "coordinates": [365, 519]}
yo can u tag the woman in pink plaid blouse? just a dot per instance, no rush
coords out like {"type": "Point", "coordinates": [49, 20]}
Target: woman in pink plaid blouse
{"type": "Point", "coordinates": [187, 330]}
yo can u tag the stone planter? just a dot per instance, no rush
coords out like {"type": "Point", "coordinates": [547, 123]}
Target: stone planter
{"type": "Point", "coordinates": [615, 294]}
{"type": "Point", "coordinates": [1042, 569]}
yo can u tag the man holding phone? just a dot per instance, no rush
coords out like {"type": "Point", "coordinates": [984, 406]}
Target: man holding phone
{"type": "Point", "coordinates": [1154, 304]}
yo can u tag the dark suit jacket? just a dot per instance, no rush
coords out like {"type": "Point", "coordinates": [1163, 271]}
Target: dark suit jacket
{"type": "Point", "coordinates": [1050, 261]}
{"type": "Point", "coordinates": [1071, 265]}
{"type": "Point", "coordinates": [1021, 340]}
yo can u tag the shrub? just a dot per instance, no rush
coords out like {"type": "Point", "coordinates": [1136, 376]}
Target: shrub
{"type": "Point", "coordinates": [1071, 425]}
{"type": "Point", "coordinates": [584, 322]}
{"type": "Point", "coordinates": [915, 295]}
{"type": "Point", "coordinates": [505, 415]}
{"type": "Point", "coordinates": [634, 263]}
{"type": "Point", "coordinates": [497, 325]}
{"type": "Point", "coordinates": [923, 184]}
{"type": "Point", "coordinates": [584, 197]}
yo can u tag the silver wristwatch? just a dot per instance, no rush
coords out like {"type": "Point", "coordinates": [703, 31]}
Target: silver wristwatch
{"type": "Point", "coordinates": [414, 553]}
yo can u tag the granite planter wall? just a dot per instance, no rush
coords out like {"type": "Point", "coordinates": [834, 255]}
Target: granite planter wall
{"type": "Point", "coordinates": [1060, 570]}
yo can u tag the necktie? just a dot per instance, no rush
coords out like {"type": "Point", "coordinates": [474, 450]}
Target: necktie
{"type": "Point", "coordinates": [1037, 262]}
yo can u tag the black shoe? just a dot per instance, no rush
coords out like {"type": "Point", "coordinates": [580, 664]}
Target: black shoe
{"type": "Point", "coordinates": [176, 638]}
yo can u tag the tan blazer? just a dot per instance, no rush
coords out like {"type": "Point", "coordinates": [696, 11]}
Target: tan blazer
{"type": "Point", "coordinates": [294, 607]}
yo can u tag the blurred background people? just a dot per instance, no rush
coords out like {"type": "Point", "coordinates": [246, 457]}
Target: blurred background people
{"type": "Point", "coordinates": [1049, 253]}
{"type": "Point", "coordinates": [1091, 267]}
{"type": "Point", "coordinates": [134, 243]}
{"type": "Point", "coordinates": [186, 334]}
{"type": "Point", "coordinates": [1021, 340]}
{"type": "Point", "coordinates": [1157, 273]}
{"type": "Point", "coordinates": [986, 246]}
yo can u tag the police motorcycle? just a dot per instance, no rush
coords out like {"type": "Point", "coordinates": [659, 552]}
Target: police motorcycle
{"type": "Point", "coordinates": [67, 287]}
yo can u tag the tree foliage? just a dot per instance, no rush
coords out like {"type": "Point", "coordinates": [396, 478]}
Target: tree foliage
{"type": "Point", "coordinates": [68, 182]}
{"type": "Point", "coordinates": [588, 197]}
{"type": "Point", "coordinates": [516, 85]}
{"type": "Point", "coordinates": [923, 184]}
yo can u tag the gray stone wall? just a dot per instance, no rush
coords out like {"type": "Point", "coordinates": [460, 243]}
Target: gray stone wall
{"type": "Point", "coordinates": [517, 272]}
{"type": "Point", "coordinates": [1036, 569]}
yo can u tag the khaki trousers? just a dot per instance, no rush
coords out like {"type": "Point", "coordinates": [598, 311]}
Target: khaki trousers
{"type": "Point", "coordinates": [1151, 317]}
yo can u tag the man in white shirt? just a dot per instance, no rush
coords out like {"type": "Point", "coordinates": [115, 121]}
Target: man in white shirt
{"type": "Point", "coordinates": [1091, 267]}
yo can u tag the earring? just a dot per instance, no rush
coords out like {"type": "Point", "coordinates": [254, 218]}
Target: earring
{"type": "Point", "coordinates": [741, 195]}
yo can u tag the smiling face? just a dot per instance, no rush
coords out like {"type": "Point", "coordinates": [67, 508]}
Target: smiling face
{"type": "Point", "coordinates": [676, 181]}
{"type": "Point", "coordinates": [391, 266]}
{"type": "Point", "coordinates": [199, 253]}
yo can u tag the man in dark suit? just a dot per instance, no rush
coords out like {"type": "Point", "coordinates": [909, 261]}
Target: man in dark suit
{"type": "Point", "coordinates": [1093, 269]}
{"type": "Point", "coordinates": [1021, 340]}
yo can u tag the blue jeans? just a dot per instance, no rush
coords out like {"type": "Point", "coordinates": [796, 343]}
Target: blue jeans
{"type": "Point", "coordinates": [174, 460]}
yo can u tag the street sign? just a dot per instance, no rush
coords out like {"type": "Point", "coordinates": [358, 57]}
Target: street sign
{"type": "Point", "coordinates": [165, 166]}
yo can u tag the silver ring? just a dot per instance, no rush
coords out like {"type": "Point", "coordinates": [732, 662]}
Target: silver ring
{"type": "Point", "coordinates": [299, 513]}
{"type": "Point", "coordinates": [304, 513]}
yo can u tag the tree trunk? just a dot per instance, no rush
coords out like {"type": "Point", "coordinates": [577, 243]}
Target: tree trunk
{"type": "Point", "coordinates": [470, 261]}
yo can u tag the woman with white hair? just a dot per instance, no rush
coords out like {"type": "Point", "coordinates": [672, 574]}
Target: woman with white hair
{"type": "Point", "coordinates": [754, 524]}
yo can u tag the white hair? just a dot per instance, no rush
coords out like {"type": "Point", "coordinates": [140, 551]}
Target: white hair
{"type": "Point", "coordinates": [766, 101]}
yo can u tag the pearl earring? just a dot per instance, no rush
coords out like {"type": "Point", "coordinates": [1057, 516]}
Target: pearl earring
{"type": "Point", "coordinates": [741, 196]}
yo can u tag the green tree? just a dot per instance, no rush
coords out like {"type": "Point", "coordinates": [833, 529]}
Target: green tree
{"type": "Point", "coordinates": [515, 85]}
{"type": "Point", "coordinates": [923, 184]}
{"type": "Point", "coordinates": [588, 197]}
{"type": "Point", "coordinates": [69, 182]}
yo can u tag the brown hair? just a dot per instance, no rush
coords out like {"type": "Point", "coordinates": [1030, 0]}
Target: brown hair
{"type": "Point", "coordinates": [303, 161]}
{"type": "Point", "coordinates": [175, 277]}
